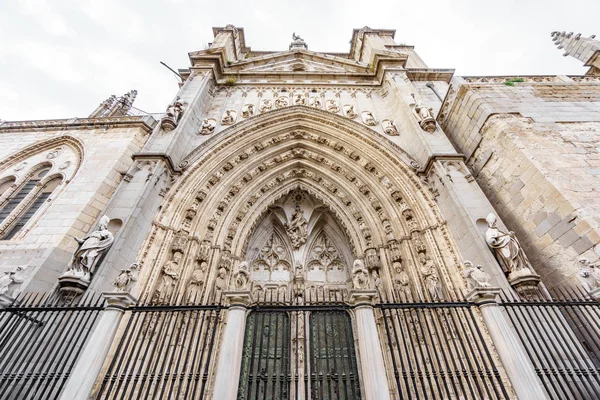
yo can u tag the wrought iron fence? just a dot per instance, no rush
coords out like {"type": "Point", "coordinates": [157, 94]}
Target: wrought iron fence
{"type": "Point", "coordinates": [561, 336]}
{"type": "Point", "coordinates": [165, 351]}
{"type": "Point", "coordinates": [41, 337]}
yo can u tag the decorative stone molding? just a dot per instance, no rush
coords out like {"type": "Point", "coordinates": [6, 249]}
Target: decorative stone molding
{"type": "Point", "coordinates": [146, 123]}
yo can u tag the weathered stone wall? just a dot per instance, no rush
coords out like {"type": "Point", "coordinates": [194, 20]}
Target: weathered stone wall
{"type": "Point", "coordinates": [534, 150]}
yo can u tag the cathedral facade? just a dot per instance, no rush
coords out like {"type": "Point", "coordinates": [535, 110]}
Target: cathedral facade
{"type": "Point", "coordinates": [306, 225]}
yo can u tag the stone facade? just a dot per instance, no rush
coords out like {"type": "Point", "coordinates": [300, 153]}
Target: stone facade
{"type": "Point", "coordinates": [368, 175]}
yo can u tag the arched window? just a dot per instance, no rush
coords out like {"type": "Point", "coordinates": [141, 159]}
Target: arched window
{"type": "Point", "coordinates": [21, 193]}
{"type": "Point", "coordinates": [4, 186]}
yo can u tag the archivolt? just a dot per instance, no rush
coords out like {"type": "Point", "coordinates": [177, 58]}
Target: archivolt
{"type": "Point", "coordinates": [42, 146]}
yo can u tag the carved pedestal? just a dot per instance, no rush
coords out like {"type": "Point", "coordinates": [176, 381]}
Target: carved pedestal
{"type": "Point", "coordinates": [230, 355]}
{"type": "Point", "coordinates": [89, 364]}
{"type": "Point", "coordinates": [517, 365]}
{"type": "Point", "coordinates": [168, 123]}
{"type": "Point", "coordinates": [371, 356]}
{"type": "Point", "coordinates": [6, 300]}
{"type": "Point", "coordinates": [428, 124]}
{"type": "Point", "coordinates": [595, 294]}
{"type": "Point", "coordinates": [525, 282]}
{"type": "Point", "coordinates": [73, 284]}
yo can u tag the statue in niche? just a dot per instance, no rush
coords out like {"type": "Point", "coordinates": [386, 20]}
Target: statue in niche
{"type": "Point", "coordinates": [297, 228]}
{"type": "Point", "coordinates": [282, 101]}
{"type": "Point", "coordinates": [299, 99]}
{"type": "Point", "coordinates": [349, 111]}
{"type": "Point", "coordinates": [196, 283]}
{"type": "Point", "coordinates": [241, 278]}
{"type": "Point", "coordinates": [332, 106]}
{"type": "Point", "coordinates": [126, 278]}
{"type": "Point", "coordinates": [425, 115]}
{"type": "Point", "coordinates": [476, 276]}
{"type": "Point", "coordinates": [10, 279]}
{"type": "Point", "coordinates": [248, 110]}
{"type": "Point", "coordinates": [228, 117]}
{"type": "Point", "coordinates": [90, 250]}
{"type": "Point", "coordinates": [368, 118]}
{"type": "Point", "coordinates": [401, 282]}
{"type": "Point", "coordinates": [431, 278]}
{"type": "Point", "coordinates": [169, 278]}
{"type": "Point", "coordinates": [360, 275]}
{"type": "Point", "coordinates": [220, 283]}
{"type": "Point", "coordinates": [376, 278]}
{"type": "Point", "coordinates": [507, 248]}
{"type": "Point", "coordinates": [208, 126]}
{"type": "Point", "coordinates": [588, 275]}
{"type": "Point", "coordinates": [265, 105]}
{"type": "Point", "coordinates": [204, 251]}
{"type": "Point", "coordinates": [315, 102]}
{"type": "Point", "coordinates": [175, 110]}
{"type": "Point", "coordinates": [389, 127]}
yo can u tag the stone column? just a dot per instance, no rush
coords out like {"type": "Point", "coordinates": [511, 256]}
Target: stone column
{"type": "Point", "coordinates": [517, 365]}
{"type": "Point", "coordinates": [88, 366]}
{"type": "Point", "coordinates": [230, 356]}
{"type": "Point", "coordinates": [372, 367]}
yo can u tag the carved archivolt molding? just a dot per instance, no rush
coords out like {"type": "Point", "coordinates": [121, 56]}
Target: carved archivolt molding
{"type": "Point", "coordinates": [49, 146]}
{"type": "Point", "coordinates": [374, 194]}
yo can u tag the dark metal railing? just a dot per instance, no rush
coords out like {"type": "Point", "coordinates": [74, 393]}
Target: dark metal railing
{"type": "Point", "coordinates": [165, 351]}
{"type": "Point", "coordinates": [41, 337]}
{"type": "Point", "coordinates": [561, 337]}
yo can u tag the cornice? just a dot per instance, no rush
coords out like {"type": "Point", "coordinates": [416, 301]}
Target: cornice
{"type": "Point", "coordinates": [158, 156]}
{"type": "Point", "coordinates": [146, 123]}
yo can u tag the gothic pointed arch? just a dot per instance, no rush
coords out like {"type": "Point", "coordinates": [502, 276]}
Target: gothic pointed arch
{"type": "Point", "coordinates": [367, 184]}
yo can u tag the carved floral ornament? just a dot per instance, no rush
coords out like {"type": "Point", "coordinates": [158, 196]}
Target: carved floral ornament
{"type": "Point", "coordinates": [242, 212]}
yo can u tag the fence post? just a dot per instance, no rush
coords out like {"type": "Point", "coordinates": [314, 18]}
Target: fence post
{"type": "Point", "coordinates": [517, 364]}
{"type": "Point", "coordinates": [88, 366]}
{"type": "Point", "coordinates": [230, 355]}
{"type": "Point", "coordinates": [372, 367]}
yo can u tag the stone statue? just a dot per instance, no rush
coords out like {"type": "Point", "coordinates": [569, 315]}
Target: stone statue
{"type": "Point", "coordinates": [10, 279]}
{"type": "Point", "coordinates": [282, 101]}
{"type": "Point", "coordinates": [424, 115]}
{"type": "Point", "coordinates": [507, 248]}
{"type": "Point", "coordinates": [297, 38]}
{"type": "Point", "coordinates": [196, 283]}
{"type": "Point", "coordinates": [169, 278]}
{"type": "Point", "coordinates": [90, 250]}
{"type": "Point", "coordinates": [241, 278]}
{"type": "Point", "coordinates": [389, 127]}
{"type": "Point", "coordinates": [368, 118]}
{"type": "Point", "coordinates": [265, 105]}
{"type": "Point", "coordinates": [248, 110]}
{"type": "Point", "coordinates": [126, 278]}
{"type": "Point", "coordinates": [208, 126]}
{"type": "Point", "coordinates": [401, 281]}
{"type": "Point", "coordinates": [175, 110]}
{"type": "Point", "coordinates": [476, 276]}
{"type": "Point", "coordinates": [349, 111]}
{"type": "Point", "coordinates": [588, 275]}
{"type": "Point", "coordinates": [297, 229]}
{"type": "Point", "coordinates": [299, 99]}
{"type": "Point", "coordinates": [315, 102]}
{"type": "Point", "coordinates": [332, 106]}
{"type": "Point", "coordinates": [228, 117]}
{"type": "Point", "coordinates": [220, 283]}
{"type": "Point", "coordinates": [360, 275]}
{"type": "Point", "coordinates": [376, 278]}
{"type": "Point", "coordinates": [430, 277]}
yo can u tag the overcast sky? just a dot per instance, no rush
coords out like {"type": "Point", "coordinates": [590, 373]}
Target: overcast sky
{"type": "Point", "coordinates": [60, 59]}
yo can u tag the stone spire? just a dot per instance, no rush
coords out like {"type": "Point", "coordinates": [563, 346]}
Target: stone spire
{"type": "Point", "coordinates": [114, 106]}
{"type": "Point", "coordinates": [585, 49]}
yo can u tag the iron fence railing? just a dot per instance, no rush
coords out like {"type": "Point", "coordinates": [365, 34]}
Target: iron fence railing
{"type": "Point", "coordinates": [41, 337]}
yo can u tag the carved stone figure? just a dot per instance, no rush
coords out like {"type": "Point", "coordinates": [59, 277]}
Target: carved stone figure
{"type": "Point", "coordinates": [315, 102]}
{"type": "Point", "coordinates": [424, 115]}
{"type": "Point", "coordinates": [204, 251]}
{"type": "Point", "coordinates": [208, 126]}
{"type": "Point", "coordinates": [372, 259]}
{"type": "Point", "coordinates": [126, 278]}
{"type": "Point", "coordinates": [431, 278]}
{"type": "Point", "coordinates": [241, 278]}
{"type": "Point", "coordinates": [401, 282]}
{"type": "Point", "coordinates": [265, 105]}
{"type": "Point", "coordinates": [360, 275]}
{"type": "Point", "coordinates": [587, 274]}
{"type": "Point", "coordinates": [368, 118]}
{"type": "Point", "coordinates": [476, 276]}
{"type": "Point", "coordinates": [389, 127]}
{"type": "Point", "coordinates": [507, 248]}
{"type": "Point", "coordinates": [349, 111]}
{"type": "Point", "coordinates": [54, 153]}
{"type": "Point", "coordinates": [10, 279]}
{"type": "Point", "coordinates": [299, 99]}
{"type": "Point", "coordinates": [297, 228]}
{"type": "Point", "coordinates": [90, 250]}
{"type": "Point", "coordinates": [196, 283]}
{"type": "Point", "coordinates": [220, 283]}
{"type": "Point", "coordinates": [248, 110]}
{"type": "Point", "coordinates": [282, 101]}
{"type": "Point", "coordinates": [332, 106]}
{"type": "Point", "coordinates": [228, 117]}
{"type": "Point", "coordinates": [171, 118]}
{"type": "Point", "coordinates": [297, 38]}
{"type": "Point", "coordinates": [169, 278]}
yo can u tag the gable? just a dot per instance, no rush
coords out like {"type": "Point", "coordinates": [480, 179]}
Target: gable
{"type": "Point", "coordinates": [298, 61]}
